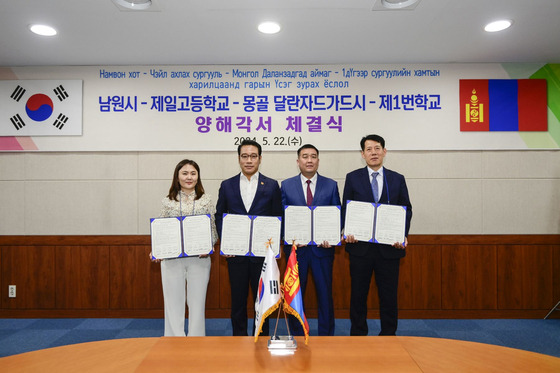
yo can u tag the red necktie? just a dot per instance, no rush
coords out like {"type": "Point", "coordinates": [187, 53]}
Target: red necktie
{"type": "Point", "coordinates": [309, 194]}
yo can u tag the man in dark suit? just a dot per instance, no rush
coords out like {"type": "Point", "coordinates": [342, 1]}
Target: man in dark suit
{"type": "Point", "coordinates": [248, 193]}
{"type": "Point", "coordinates": [311, 189]}
{"type": "Point", "coordinates": [374, 183]}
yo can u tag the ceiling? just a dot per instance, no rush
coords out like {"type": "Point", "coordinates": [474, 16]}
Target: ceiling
{"type": "Point", "coordinates": [192, 32]}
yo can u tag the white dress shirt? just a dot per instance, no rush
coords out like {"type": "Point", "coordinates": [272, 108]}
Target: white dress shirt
{"type": "Point", "coordinates": [312, 185]}
{"type": "Point", "coordinates": [248, 189]}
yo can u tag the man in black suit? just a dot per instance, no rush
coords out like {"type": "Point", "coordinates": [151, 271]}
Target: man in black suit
{"type": "Point", "coordinates": [366, 258]}
{"type": "Point", "coordinates": [248, 193]}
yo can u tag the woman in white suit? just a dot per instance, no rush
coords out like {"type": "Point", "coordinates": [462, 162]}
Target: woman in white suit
{"type": "Point", "coordinates": [186, 197]}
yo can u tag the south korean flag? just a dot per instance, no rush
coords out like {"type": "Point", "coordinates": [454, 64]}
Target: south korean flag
{"type": "Point", "coordinates": [40, 107]}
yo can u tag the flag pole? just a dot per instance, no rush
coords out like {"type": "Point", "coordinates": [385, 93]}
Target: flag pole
{"type": "Point", "coordinates": [282, 344]}
{"type": "Point", "coordinates": [281, 309]}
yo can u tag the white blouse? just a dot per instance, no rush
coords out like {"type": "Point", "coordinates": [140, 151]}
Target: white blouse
{"type": "Point", "coordinates": [188, 206]}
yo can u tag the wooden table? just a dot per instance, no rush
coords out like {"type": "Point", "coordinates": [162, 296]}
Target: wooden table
{"type": "Point", "coordinates": [242, 354]}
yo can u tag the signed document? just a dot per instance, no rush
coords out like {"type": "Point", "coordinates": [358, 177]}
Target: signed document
{"type": "Point", "coordinates": [312, 225]}
{"type": "Point", "coordinates": [166, 237]}
{"type": "Point", "coordinates": [181, 236]}
{"type": "Point", "coordinates": [377, 223]}
{"type": "Point", "coordinates": [390, 224]}
{"type": "Point", "coordinates": [326, 225]}
{"type": "Point", "coordinates": [236, 235]}
{"type": "Point", "coordinates": [197, 235]}
{"type": "Point", "coordinates": [248, 235]}
{"type": "Point", "coordinates": [297, 225]}
{"type": "Point", "coordinates": [359, 220]}
{"type": "Point", "coordinates": [266, 229]}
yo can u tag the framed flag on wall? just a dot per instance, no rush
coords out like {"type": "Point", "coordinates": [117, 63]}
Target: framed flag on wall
{"type": "Point", "coordinates": [40, 107]}
{"type": "Point", "coordinates": [503, 104]}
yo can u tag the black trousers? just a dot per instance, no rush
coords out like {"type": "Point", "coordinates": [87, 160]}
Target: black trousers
{"type": "Point", "coordinates": [386, 273]}
{"type": "Point", "coordinates": [244, 272]}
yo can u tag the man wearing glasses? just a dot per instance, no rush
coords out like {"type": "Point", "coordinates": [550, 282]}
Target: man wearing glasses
{"type": "Point", "coordinates": [248, 193]}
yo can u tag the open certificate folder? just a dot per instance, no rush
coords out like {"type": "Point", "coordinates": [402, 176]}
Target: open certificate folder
{"type": "Point", "coordinates": [312, 225]}
{"type": "Point", "coordinates": [181, 236]}
{"type": "Point", "coordinates": [372, 222]}
{"type": "Point", "coordinates": [249, 235]}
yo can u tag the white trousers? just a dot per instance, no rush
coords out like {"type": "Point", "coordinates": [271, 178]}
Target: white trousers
{"type": "Point", "coordinates": [195, 272]}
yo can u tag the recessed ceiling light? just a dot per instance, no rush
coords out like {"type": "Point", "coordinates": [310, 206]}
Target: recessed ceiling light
{"type": "Point", "coordinates": [269, 27]}
{"type": "Point", "coordinates": [43, 30]}
{"type": "Point", "coordinates": [498, 25]}
{"type": "Point", "coordinates": [134, 4]}
{"type": "Point", "coordinates": [398, 4]}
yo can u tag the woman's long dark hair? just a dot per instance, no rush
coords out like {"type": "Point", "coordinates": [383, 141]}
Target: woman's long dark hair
{"type": "Point", "coordinates": [176, 186]}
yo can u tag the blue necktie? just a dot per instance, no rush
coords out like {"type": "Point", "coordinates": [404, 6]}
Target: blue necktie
{"type": "Point", "coordinates": [374, 186]}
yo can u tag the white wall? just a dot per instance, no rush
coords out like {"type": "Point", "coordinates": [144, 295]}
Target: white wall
{"type": "Point", "coordinates": [474, 192]}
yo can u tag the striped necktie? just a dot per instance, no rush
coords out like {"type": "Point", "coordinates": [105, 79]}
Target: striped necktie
{"type": "Point", "coordinates": [374, 186]}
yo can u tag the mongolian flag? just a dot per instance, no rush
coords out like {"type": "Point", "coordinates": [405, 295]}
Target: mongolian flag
{"type": "Point", "coordinates": [268, 294]}
{"type": "Point", "coordinates": [503, 105]}
{"type": "Point", "coordinates": [293, 301]}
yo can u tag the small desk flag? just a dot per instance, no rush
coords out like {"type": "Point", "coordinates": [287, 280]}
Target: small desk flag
{"type": "Point", "coordinates": [293, 300]}
{"type": "Point", "coordinates": [268, 294]}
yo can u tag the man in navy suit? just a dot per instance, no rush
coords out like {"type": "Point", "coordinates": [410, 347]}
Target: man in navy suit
{"type": "Point", "coordinates": [366, 258]}
{"type": "Point", "coordinates": [310, 188]}
{"type": "Point", "coordinates": [248, 193]}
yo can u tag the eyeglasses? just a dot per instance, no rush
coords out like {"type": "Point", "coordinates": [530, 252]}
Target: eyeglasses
{"type": "Point", "coordinates": [246, 157]}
